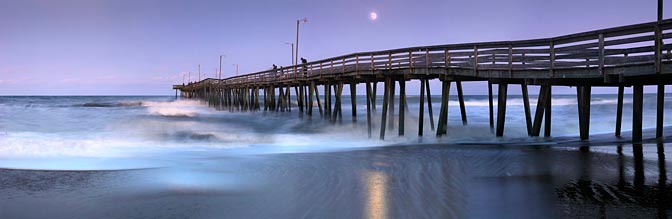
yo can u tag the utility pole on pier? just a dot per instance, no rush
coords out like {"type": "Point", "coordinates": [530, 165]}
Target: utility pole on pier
{"type": "Point", "coordinates": [236, 68]}
{"type": "Point", "coordinates": [296, 58]}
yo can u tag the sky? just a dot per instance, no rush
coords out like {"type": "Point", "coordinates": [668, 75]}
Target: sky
{"type": "Point", "coordinates": [142, 47]}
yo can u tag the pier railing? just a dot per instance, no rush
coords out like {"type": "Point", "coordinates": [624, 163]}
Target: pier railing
{"type": "Point", "coordinates": [614, 47]}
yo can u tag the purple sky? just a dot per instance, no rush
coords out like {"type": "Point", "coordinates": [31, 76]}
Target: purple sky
{"type": "Point", "coordinates": [119, 47]}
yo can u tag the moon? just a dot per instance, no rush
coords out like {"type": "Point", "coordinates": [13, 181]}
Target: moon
{"type": "Point", "coordinates": [373, 16]}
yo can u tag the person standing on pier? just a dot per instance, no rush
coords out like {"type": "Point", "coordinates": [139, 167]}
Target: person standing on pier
{"type": "Point", "coordinates": [303, 67]}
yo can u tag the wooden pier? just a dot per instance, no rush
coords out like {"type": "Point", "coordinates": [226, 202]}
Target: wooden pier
{"type": "Point", "coordinates": [629, 56]}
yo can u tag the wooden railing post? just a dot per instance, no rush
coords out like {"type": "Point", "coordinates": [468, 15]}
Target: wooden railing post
{"type": "Point", "coordinates": [510, 60]}
{"type": "Point", "coordinates": [659, 48]}
{"type": "Point", "coordinates": [373, 65]}
{"type": "Point", "coordinates": [410, 59]}
{"type": "Point", "coordinates": [601, 55]}
{"type": "Point", "coordinates": [320, 69]}
{"type": "Point", "coordinates": [427, 61]}
{"type": "Point", "coordinates": [447, 60]}
{"type": "Point", "coordinates": [476, 60]}
{"type": "Point", "coordinates": [389, 64]}
{"type": "Point", "coordinates": [552, 55]}
{"type": "Point", "coordinates": [357, 64]}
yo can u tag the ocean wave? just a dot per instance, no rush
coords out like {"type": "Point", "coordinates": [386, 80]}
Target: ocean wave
{"type": "Point", "coordinates": [110, 104]}
{"type": "Point", "coordinates": [180, 108]}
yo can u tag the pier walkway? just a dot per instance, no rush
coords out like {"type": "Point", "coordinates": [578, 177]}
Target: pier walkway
{"type": "Point", "coordinates": [628, 56]}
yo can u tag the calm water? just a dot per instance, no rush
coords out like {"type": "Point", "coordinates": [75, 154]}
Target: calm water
{"type": "Point", "coordinates": [139, 157]}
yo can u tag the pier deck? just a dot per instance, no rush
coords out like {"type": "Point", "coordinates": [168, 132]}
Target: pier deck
{"type": "Point", "coordinates": [628, 56]}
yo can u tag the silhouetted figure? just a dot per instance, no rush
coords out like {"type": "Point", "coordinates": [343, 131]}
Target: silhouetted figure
{"type": "Point", "coordinates": [303, 66]}
{"type": "Point", "coordinates": [275, 70]}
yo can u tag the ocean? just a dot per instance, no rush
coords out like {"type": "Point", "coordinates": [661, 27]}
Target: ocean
{"type": "Point", "coordinates": [158, 156]}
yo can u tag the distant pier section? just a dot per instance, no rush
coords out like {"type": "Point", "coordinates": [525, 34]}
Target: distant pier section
{"type": "Point", "coordinates": [631, 56]}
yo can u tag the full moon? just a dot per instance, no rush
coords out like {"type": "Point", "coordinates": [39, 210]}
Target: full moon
{"type": "Point", "coordinates": [373, 16]}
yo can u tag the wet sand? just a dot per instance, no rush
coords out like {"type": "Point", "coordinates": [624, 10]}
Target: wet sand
{"type": "Point", "coordinates": [391, 182]}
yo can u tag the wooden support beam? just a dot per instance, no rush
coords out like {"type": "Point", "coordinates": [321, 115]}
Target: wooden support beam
{"type": "Point", "coordinates": [317, 98]}
{"type": "Point", "coordinates": [583, 100]}
{"type": "Point", "coordinates": [547, 114]}
{"type": "Point", "coordinates": [501, 108]}
{"type": "Point", "coordinates": [374, 95]}
{"type": "Point", "coordinates": [338, 89]}
{"type": "Point", "coordinates": [402, 104]}
{"type": "Point", "coordinates": [526, 105]}
{"type": "Point", "coordinates": [311, 91]}
{"type": "Point", "coordinates": [281, 95]}
{"type": "Point", "coordinates": [326, 103]}
{"type": "Point", "coordinates": [289, 98]}
{"type": "Point", "coordinates": [429, 105]}
{"type": "Point", "coordinates": [368, 107]}
{"type": "Point", "coordinates": [340, 95]}
{"type": "Point", "coordinates": [460, 97]}
{"type": "Point", "coordinates": [637, 104]}
{"type": "Point", "coordinates": [383, 117]}
{"type": "Point", "coordinates": [299, 99]}
{"type": "Point", "coordinates": [660, 110]}
{"type": "Point", "coordinates": [442, 128]}
{"type": "Point", "coordinates": [490, 104]}
{"type": "Point", "coordinates": [421, 114]}
{"type": "Point", "coordinates": [353, 99]}
{"type": "Point", "coordinates": [619, 111]}
{"type": "Point", "coordinates": [539, 113]}
{"type": "Point", "coordinates": [305, 97]}
{"type": "Point", "coordinates": [392, 93]}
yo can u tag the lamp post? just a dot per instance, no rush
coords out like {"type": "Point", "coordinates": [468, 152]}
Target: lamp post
{"type": "Point", "coordinates": [292, 44]}
{"type": "Point", "coordinates": [236, 68]}
{"type": "Point", "coordinates": [296, 58]}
